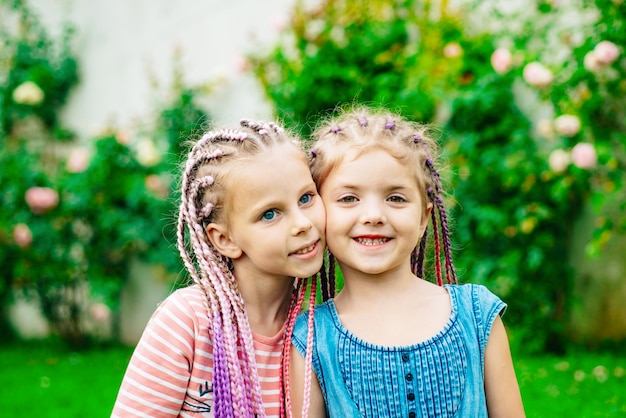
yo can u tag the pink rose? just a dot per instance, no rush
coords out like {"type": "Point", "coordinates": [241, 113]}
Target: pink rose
{"type": "Point", "coordinates": [501, 60]}
{"type": "Point", "coordinates": [452, 50]}
{"type": "Point", "coordinates": [123, 137]}
{"type": "Point", "coordinates": [537, 75]}
{"type": "Point", "coordinates": [558, 160]}
{"type": "Point", "coordinates": [22, 235]}
{"type": "Point", "coordinates": [279, 23]}
{"type": "Point", "coordinates": [100, 312]}
{"type": "Point", "coordinates": [606, 52]}
{"type": "Point", "coordinates": [78, 161]}
{"type": "Point", "coordinates": [41, 199]}
{"type": "Point", "coordinates": [155, 184]}
{"type": "Point", "coordinates": [545, 129]}
{"type": "Point", "coordinates": [241, 64]}
{"type": "Point", "coordinates": [584, 155]}
{"type": "Point", "coordinates": [592, 63]}
{"type": "Point", "coordinates": [567, 125]}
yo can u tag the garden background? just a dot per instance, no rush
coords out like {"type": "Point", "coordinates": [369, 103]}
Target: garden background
{"type": "Point", "coordinates": [97, 99]}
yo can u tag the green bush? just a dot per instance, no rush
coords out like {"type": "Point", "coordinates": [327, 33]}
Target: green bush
{"type": "Point", "coordinates": [519, 175]}
{"type": "Point", "coordinates": [74, 213]}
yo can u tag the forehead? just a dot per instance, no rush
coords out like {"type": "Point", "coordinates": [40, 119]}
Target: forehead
{"type": "Point", "coordinates": [275, 172]}
{"type": "Point", "coordinates": [374, 166]}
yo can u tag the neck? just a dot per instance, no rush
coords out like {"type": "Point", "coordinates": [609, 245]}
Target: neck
{"type": "Point", "coordinates": [384, 289]}
{"type": "Point", "coordinates": [266, 302]}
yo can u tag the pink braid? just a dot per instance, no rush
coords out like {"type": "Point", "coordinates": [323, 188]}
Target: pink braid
{"type": "Point", "coordinates": [309, 350]}
{"type": "Point", "coordinates": [301, 291]}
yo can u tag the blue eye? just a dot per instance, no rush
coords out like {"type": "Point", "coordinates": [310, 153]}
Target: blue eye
{"type": "Point", "coordinates": [268, 215]}
{"type": "Point", "coordinates": [305, 198]}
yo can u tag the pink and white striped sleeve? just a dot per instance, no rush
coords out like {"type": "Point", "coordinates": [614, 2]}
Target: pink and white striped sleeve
{"type": "Point", "coordinates": [156, 379]}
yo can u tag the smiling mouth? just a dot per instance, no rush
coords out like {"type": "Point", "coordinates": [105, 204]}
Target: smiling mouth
{"type": "Point", "coordinates": [306, 249]}
{"type": "Point", "coordinates": [372, 241]}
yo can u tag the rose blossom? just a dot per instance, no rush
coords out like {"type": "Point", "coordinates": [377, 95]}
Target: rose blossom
{"type": "Point", "coordinates": [78, 161]}
{"type": "Point", "coordinates": [567, 125]}
{"type": "Point", "coordinates": [452, 50]}
{"type": "Point", "coordinates": [155, 184]}
{"type": "Point", "coordinates": [100, 312]}
{"type": "Point", "coordinates": [584, 155]}
{"type": "Point", "coordinates": [123, 137]}
{"type": "Point", "coordinates": [28, 93]}
{"type": "Point", "coordinates": [241, 64]}
{"type": "Point", "coordinates": [41, 199]}
{"type": "Point", "coordinates": [501, 60]}
{"type": "Point", "coordinates": [545, 129]}
{"type": "Point", "coordinates": [606, 52]}
{"type": "Point", "coordinates": [559, 160]}
{"type": "Point", "coordinates": [22, 235]}
{"type": "Point", "coordinates": [147, 154]}
{"type": "Point", "coordinates": [592, 63]}
{"type": "Point", "coordinates": [537, 75]}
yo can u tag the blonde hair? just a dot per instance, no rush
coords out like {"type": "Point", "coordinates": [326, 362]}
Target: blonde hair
{"type": "Point", "coordinates": [207, 179]}
{"type": "Point", "coordinates": [359, 129]}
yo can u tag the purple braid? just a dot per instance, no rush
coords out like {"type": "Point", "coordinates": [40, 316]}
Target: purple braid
{"type": "Point", "coordinates": [419, 253]}
{"type": "Point", "coordinates": [331, 276]}
{"type": "Point", "coordinates": [217, 281]}
{"type": "Point", "coordinates": [324, 285]}
{"type": "Point", "coordinates": [436, 198]}
{"type": "Point", "coordinates": [433, 217]}
{"type": "Point", "coordinates": [223, 402]}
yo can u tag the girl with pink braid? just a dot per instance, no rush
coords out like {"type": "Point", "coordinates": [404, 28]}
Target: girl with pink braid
{"type": "Point", "coordinates": [250, 232]}
{"type": "Point", "coordinates": [393, 343]}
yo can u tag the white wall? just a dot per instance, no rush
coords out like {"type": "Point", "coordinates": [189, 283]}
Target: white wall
{"type": "Point", "coordinates": [122, 44]}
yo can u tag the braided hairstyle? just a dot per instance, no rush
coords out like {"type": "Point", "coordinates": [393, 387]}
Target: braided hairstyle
{"type": "Point", "coordinates": [205, 198]}
{"type": "Point", "coordinates": [363, 129]}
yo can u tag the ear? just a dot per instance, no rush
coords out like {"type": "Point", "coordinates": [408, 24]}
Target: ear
{"type": "Point", "coordinates": [221, 240]}
{"type": "Point", "coordinates": [425, 217]}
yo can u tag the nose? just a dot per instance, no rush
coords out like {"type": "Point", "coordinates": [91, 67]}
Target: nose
{"type": "Point", "coordinates": [301, 223]}
{"type": "Point", "coordinates": [373, 213]}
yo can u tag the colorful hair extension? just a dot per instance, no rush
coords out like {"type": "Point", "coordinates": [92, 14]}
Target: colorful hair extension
{"type": "Point", "coordinates": [236, 384]}
{"type": "Point", "coordinates": [362, 129]}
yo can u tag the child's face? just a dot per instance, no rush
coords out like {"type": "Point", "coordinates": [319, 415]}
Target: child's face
{"type": "Point", "coordinates": [276, 218]}
{"type": "Point", "coordinates": [375, 213]}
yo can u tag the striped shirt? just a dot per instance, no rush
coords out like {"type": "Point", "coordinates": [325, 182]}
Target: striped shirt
{"type": "Point", "coordinates": [170, 373]}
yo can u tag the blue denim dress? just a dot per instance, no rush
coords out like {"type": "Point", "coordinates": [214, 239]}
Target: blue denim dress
{"type": "Point", "coordinates": [440, 377]}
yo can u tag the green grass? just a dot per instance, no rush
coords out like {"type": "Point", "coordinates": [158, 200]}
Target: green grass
{"type": "Point", "coordinates": [47, 380]}
{"type": "Point", "coordinates": [579, 385]}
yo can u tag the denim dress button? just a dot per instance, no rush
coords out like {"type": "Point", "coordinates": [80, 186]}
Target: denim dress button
{"type": "Point", "coordinates": [410, 397]}
{"type": "Point", "coordinates": [408, 377]}
{"type": "Point", "coordinates": [405, 357]}
{"type": "Point", "coordinates": [412, 415]}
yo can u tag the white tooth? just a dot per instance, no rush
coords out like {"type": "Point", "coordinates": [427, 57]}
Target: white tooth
{"type": "Point", "coordinates": [305, 250]}
{"type": "Point", "coordinates": [366, 241]}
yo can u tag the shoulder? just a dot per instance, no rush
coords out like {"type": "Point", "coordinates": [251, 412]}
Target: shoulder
{"type": "Point", "coordinates": [184, 310]}
{"type": "Point", "coordinates": [476, 307]}
{"type": "Point", "coordinates": [323, 313]}
{"type": "Point", "coordinates": [476, 295]}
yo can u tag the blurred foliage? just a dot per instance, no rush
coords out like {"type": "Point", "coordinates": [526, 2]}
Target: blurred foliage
{"type": "Point", "coordinates": [518, 183]}
{"type": "Point", "coordinates": [74, 213]}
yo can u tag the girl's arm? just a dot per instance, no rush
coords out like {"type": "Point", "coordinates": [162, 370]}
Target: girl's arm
{"type": "Point", "coordinates": [157, 376]}
{"type": "Point", "coordinates": [317, 407]}
{"type": "Point", "coordinates": [501, 387]}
